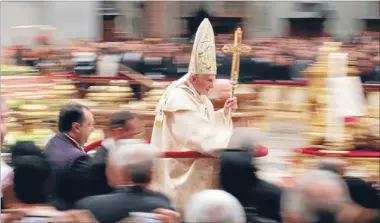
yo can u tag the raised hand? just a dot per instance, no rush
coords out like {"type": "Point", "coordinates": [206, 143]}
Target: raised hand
{"type": "Point", "coordinates": [230, 105]}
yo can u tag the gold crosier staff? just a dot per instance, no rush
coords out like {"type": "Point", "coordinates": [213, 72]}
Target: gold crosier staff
{"type": "Point", "coordinates": [236, 49]}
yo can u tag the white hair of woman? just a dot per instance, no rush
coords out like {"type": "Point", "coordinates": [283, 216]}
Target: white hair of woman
{"type": "Point", "coordinates": [214, 206]}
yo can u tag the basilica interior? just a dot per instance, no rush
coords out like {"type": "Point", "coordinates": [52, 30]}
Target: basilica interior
{"type": "Point", "coordinates": [306, 62]}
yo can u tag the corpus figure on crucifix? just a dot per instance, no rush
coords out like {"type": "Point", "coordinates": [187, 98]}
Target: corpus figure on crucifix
{"type": "Point", "coordinates": [186, 121]}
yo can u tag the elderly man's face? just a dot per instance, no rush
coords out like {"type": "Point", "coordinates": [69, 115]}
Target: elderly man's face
{"type": "Point", "coordinates": [202, 82]}
{"type": "Point", "coordinates": [4, 117]}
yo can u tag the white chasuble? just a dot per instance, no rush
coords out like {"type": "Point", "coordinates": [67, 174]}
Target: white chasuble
{"type": "Point", "coordinates": [186, 121]}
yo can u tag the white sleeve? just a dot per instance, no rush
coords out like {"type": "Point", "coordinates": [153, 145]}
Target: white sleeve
{"type": "Point", "coordinates": [198, 133]}
{"type": "Point", "coordinates": [222, 121]}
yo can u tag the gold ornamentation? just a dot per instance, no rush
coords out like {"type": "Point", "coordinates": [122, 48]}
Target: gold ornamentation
{"type": "Point", "coordinates": [236, 49]}
{"type": "Point", "coordinates": [203, 56]}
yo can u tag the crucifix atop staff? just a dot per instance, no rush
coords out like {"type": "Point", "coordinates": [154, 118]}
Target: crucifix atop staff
{"type": "Point", "coordinates": [236, 49]}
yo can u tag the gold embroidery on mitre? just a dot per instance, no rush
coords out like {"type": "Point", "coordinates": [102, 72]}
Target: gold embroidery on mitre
{"type": "Point", "coordinates": [203, 56]}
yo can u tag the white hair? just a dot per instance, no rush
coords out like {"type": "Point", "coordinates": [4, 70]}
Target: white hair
{"type": "Point", "coordinates": [214, 206]}
{"type": "Point", "coordinates": [321, 176]}
{"type": "Point", "coordinates": [243, 138]}
{"type": "Point", "coordinates": [322, 189]}
{"type": "Point", "coordinates": [315, 191]}
{"type": "Point", "coordinates": [332, 164]}
{"type": "Point", "coordinates": [136, 158]}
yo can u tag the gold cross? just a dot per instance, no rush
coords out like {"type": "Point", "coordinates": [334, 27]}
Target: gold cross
{"type": "Point", "coordinates": [236, 49]}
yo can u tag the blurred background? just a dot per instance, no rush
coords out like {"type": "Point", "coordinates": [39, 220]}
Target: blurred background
{"type": "Point", "coordinates": [112, 55]}
{"type": "Point", "coordinates": [160, 32]}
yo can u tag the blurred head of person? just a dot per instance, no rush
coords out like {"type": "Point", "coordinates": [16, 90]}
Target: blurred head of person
{"type": "Point", "coordinates": [320, 194]}
{"type": "Point", "coordinates": [237, 168]}
{"type": "Point", "coordinates": [334, 165]}
{"type": "Point", "coordinates": [31, 172]}
{"type": "Point", "coordinates": [76, 121]}
{"type": "Point", "coordinates": [131, 164]}
{"type": "Point", "coordinates": [25, 148]}
{"type": "Point", "coordinates": [4, 117]}
{"type": "Point", "coordinates": [125, 127]}
{"type": "Point", "coordinates": [214, 206]}
{"type": "Point", "coordinates": [244, 139]}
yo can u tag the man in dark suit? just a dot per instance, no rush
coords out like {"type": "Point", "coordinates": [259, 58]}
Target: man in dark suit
{"type": "Point", "coordinates": [238, 177]}
{"type": "Point", "coordinates": [125, 127]}
{"type": "Point", "coordinates": [133, 164]}
{"type": "Point", "coordinates": [69, 162]}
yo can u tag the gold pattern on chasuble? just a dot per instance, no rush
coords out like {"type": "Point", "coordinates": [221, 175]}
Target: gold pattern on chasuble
{"type": "Point", "coordinates": [157, 122]}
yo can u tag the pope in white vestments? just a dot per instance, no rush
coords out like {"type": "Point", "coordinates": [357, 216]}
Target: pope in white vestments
{"type": "Point", "coordinates": [186, 121]}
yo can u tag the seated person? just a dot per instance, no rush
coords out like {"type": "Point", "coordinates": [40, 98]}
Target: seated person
{"type": "Point", "coordinates": [126, 128]}
{"type": "Point", "coordinates": [214, 206]}
{"type": "Point", "coordinates": [320, 196]}
{"type": "Point", "coordinates": [238, 177]}
{"type": "Point", "coordinates": [132, 166]}
{"type": "Point", "coordinates": [31, 172]}
{"type": "Point", "coordinates": [361, 192]}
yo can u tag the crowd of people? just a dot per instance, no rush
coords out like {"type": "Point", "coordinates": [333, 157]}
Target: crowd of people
{"type": "Point", "coordinates": [363, 49]}
{"type": "Point", "coordinates": [127, 180]}
{"type": "Point", "coordinates": [68, 185]}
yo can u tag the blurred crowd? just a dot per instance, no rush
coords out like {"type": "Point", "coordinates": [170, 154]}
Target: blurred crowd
{"type": "Point", "coordinates": [362, 49]}
{"type": "Point", "coordinates": [63, 183]}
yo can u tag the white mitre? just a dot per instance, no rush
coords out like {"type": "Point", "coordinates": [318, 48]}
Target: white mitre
{"type": "Point", "coordinates": [214, 206]}
{"type": "Point", "coordinates": [202, 61]}
{"type": "Point", "coordinates": [203, 56]}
